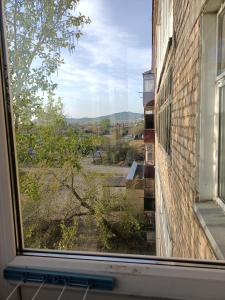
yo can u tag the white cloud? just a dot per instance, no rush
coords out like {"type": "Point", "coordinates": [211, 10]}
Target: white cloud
{"type": "Point", "coordinates": [107, 62]}
{"type": "Point", "coordinates": [92, 9]}
{"type": "Point", "coordinates": [68, 75]}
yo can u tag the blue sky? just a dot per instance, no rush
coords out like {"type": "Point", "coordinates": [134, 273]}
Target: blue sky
{"type": "Point", "coordinates": [104, 74]}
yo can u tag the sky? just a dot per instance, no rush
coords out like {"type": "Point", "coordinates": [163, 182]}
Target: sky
{"type": "Point", "coordinates": [104, 74]}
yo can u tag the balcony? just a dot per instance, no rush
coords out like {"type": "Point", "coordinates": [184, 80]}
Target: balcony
{"type": "Point", "coordinates": [149, 120]}
{"type": "Point", "coordinates": [149, 171]}
{"type": "Point", "coordinates": [135, 186]}
{"type": "Point", "coordinates": [149, 220]}
{"type": "Point", "coordinates": [149, 136]}
{"type": "Point", "coordinates": [135, 176]}
{"type": "Point", "coordinates": [149, 204]}
{"type": "Point", "coordinates": [148, 98]}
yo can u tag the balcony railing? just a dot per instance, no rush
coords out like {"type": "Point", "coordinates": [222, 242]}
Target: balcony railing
{"type": "Point", "coordinates": [135, 176]}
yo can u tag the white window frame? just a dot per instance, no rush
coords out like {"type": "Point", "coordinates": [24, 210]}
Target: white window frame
{"type": "Point", "coordinates": [220, 81]}
{"type": "Point", "coordinates": [209, 110]}
{"type": "Point", "coordinates": [164, 32]}
{"type": "Point", "coordinates": [135, 275]}
{"type": "Point", "coordinates": [164, 113]}
{"type": "Point", "coordinates": [208, 203]}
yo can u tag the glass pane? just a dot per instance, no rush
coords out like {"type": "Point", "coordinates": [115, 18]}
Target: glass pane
{"type": "Point", "coordinates": [149, 204]}
{"type": "Point", "coordinates": [76, 69]}
{"type": "Point", "coordinates": [222, 145]}
{"type": "Point", "coordinates": [149, 121]}
{"type": "Point", "coordinates": [222, 43]}
{"type": "Point", "coordinates": [92, 174]}
{"type": "Point", "coordinates": [149, 155]}
{"type": "Point", "coordinates": [148, 85]}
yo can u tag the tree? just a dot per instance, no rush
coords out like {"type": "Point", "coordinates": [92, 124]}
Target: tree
{"type": "Point", "coordinates": [56, 172]}
{"type": "Point", "coordinates": [138, 129]}
{"type": "Point", "coordinates": [105, 126]}
{"type": "Point", "coordinates": [87, 214]}
{"type": "Point", "coordinates": [37, 31]}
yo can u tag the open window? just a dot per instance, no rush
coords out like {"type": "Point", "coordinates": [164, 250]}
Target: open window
{"type": "Point", "coordinates": [75, 138]}
{"type": "Point", "coordinates": [83, 187]}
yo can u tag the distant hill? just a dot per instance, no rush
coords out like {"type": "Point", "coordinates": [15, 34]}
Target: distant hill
{"type": "Point", "coordinates": [122, 117]}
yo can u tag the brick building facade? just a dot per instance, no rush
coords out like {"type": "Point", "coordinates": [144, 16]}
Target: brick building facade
{"type": "Point", "coordinates": [189, 214]}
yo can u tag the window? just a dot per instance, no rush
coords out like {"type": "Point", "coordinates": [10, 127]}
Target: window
{"type": "Point", "coordinates": [150, 153]}
{"type": "Point", "coordinates": [75, 137]}
{"type": "Point", "coordinates": [211, 137]}
{"type": "Point", "coordinates": [135, 275]}
{"type": "Point", "coordinates": [221, 93]}
{"type": "Point", "coordinates": [149, 121]}
{"type": "Point", "coordinates": [164, 110]}
{"type": "Point", "coordinates": [221, 43]}
{"type": "Point", "coordinates": [164, 31]}
{"type": "Point", "coordinates": [221, 184]}
{"type": "Point", "coordinates": [148, 85]}
{"type": "Point", "coordinates": [149, 204]}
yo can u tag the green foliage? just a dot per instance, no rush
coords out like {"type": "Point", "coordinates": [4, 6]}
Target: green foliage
{"type": "Point", "coordinates": [118, 152]}
{"type": "Point", "coordinates": [124, 225]}
{"type": "Point", "coordinates": [55, 171]}
{"type": "Point", "coordinates": [105, 126]}
{"type": "Point", "coordinates": [51, 142]}
{"type": "Point", "coordinates": [29, 186]}
{"type": "Point", "coordinates": [108, 218]}
{"type": "Point", "coordinates": [37, 31]}
{"type": "Point", "coordinates": [69, 235]}
{"type": "Point", "coordinates": [138, 129]}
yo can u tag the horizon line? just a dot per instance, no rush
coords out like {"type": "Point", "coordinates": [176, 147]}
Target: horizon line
{"type": "Point", "coordinates": [70, 117]}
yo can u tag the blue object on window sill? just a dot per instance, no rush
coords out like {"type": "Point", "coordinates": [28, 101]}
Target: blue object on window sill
{"type": "Point", "coordinates": [59, 278]}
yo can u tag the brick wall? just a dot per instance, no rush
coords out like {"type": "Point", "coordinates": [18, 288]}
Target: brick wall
{"type": "Point", "coordinates": [179, 171]}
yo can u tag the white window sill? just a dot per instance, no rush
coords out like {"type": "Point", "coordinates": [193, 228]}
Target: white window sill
{"type": "Point", "coordinates": [142, 280]}
{"type": "Point", "coordinates": [212, 219]}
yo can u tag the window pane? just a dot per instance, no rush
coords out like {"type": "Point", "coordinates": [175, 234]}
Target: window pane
{"type": "Point", "coordinates": [149, 155]}
{"type": "Point", "coordinates": [149, 204]}
{"type": "Point", "coordinates": [92, 174]}
{"type": "Point", "coordinates": [222, 145]}
{"type": "Point", "coordinates": [149, 121]}
{"type": "Point", "coordinates": [79, 122]}
{"type": "Point", "coordinates": [148, 85]}
{"type": "Point", "coordinates": [222, 44]}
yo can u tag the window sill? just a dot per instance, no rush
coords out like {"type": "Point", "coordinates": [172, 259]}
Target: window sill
{"type": "Point", "coordinates": [212, 219]}
{"type": "Point", "coordinates": [140, 280]}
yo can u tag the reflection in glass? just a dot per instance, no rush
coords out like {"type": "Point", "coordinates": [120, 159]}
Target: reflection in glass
{"type": "Point", "coordinates": [76, 71]}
